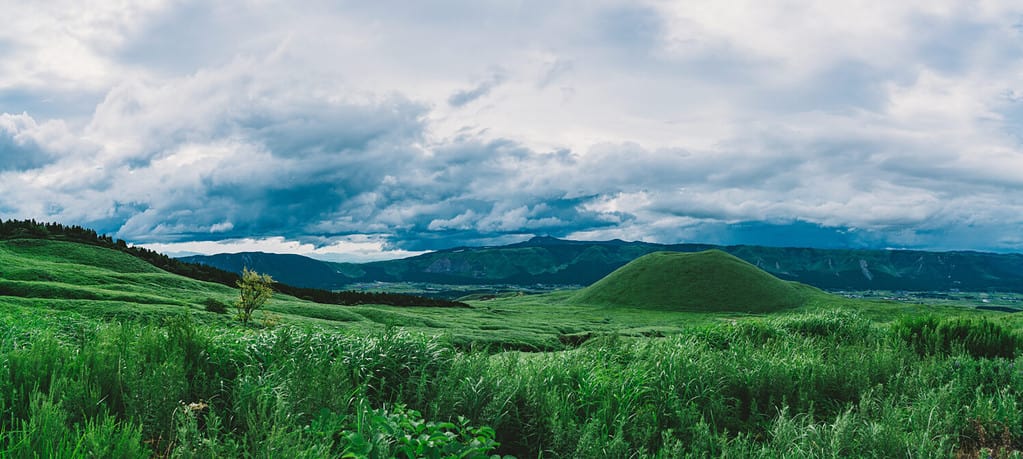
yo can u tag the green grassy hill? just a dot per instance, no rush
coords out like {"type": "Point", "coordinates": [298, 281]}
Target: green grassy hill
{"type": "Point", "coordinates": [96, 281]}
{"type": "Point", "coordinates": [109, 284]}
{"type": "Point", "coordinates": [704, 281]}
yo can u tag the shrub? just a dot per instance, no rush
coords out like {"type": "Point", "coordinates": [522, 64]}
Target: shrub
{"type": "Point", "coordinates": [270, 320]}
{"type": "Point", "coordinates": [403, 433]}
{"type": "Point", "coordinates": [215, 306]}
{"type": "Point", "coordinates": [254, 290]}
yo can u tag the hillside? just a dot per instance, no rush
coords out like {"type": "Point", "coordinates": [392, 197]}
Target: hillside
{"type": "Point", "coordinates": [709, 281]}
{"type": "Point", "coordinates": [553, 261]}
{"type": "Point", "coordinates": [96, 281]}
{"type": "Point", "coordinates": [28, 230]}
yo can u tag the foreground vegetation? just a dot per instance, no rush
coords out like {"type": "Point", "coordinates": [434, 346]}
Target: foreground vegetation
{"type": "Point", "coordinates": [825, 384]}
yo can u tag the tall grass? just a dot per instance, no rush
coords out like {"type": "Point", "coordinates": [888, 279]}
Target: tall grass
{"type": "Point", "coordinates": [981, 338]}
{"type": "Point", "coordinates": [828, 384]}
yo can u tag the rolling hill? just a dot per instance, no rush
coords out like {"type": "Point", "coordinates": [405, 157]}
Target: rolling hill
{"type": "Point", "coordinates": [96, 281]}
{"type": "Point", "coordinates": [709, 281]}
{"type": "Point", "coordinates": [544, 260]}
{"type": "Point", "coordinates": [110, 283]}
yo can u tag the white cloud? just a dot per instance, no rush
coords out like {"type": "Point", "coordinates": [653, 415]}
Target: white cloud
{"type": "Point", "coordinates": [358, 249]}
{"type": "Point", "coordinates": [65, 45]}
{"type": "Point", "coordinates": [222, 227]}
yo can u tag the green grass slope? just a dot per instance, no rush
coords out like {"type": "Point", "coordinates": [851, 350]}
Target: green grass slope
{"type": "Point", "coordinates": [703, 281]}
{"type": "Point", "coordinates": [97, 281]}
{"type": "Point", "coordinates": [76, 276]}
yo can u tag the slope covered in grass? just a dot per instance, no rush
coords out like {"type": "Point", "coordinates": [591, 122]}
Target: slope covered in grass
{"type": "Point", "coordinates": [28, 230]}
{"type": "Point", "coordinates": [108, 283]}
{"type": "Point", "coordinates": [704, 281]}
{"type": "Point", "coordinates": [32, 268]}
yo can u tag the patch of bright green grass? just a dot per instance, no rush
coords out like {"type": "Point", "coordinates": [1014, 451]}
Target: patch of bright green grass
{"type": "Point", "coordinates": [45, 251]}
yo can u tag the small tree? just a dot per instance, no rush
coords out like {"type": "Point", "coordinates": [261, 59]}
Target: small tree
{"type": "Point", "coordinates": [254, 292]}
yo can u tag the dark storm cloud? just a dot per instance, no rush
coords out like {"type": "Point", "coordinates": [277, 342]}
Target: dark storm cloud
{"type": "Point", "coordinates": [336, 134]}
{"type": "Point", "coordinates": [470, 191]}
{"type": "Point", "coordinates": [263, 168]}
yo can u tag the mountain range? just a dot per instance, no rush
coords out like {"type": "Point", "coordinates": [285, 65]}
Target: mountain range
{"type": "Point", "coordinates": [551, 261]}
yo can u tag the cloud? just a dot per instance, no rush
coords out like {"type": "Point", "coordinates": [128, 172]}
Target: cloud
{"type": "Point", "coordinates": [848, 124]}
{"type": "Point", "coordinates": [359, 249]}
{"type": "Point", "coordinates": [221, 227]}
{"type": "Point", "coordinates": [553, 68]}
{"type": "Point", "coordinates": [63, 46]}
{"type": "Point", "coordinates": [18, 149]}
{"type": "Point", "coordinates": [466, 96]}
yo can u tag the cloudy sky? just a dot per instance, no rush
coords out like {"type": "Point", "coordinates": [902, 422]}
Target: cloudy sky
{"type": "Point", "coordinates": [367, 130]}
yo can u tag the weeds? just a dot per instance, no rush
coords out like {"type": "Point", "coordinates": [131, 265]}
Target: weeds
{"type": "Point", "coordinates": [810, 385]}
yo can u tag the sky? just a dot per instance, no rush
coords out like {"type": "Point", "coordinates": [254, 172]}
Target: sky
{"type": "Point", "coordinates": [371, 130]}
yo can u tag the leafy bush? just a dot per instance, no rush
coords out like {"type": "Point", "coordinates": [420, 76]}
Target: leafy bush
{"type": "Point", "coordinates": [980, 338]}
{"type": "Point", "coordinates": [402, 433]}
{"type": "Point", "coordinates": [215, 306]}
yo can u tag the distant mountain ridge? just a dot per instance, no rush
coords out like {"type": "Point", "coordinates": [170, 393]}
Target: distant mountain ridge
{"type": "Point", "coordinates": [551, 261]}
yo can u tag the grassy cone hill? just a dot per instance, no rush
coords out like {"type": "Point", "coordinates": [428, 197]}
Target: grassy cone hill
{"type": "Point", "coordinates": [707, 281]}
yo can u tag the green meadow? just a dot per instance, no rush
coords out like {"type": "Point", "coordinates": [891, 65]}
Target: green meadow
{"type": "Point", "coordinates": [687, 355]}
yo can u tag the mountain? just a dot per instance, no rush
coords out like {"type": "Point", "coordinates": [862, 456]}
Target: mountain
{"type": "Point", "coordinates": [290, 269]}
{"type": "Point", "coordinates": [545, 260]}
{"type": "Point", "coordinates": [709, 281]}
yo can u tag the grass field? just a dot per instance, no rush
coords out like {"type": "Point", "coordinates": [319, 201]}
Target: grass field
{"type": "Point", "coordinates": [102, 355]}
